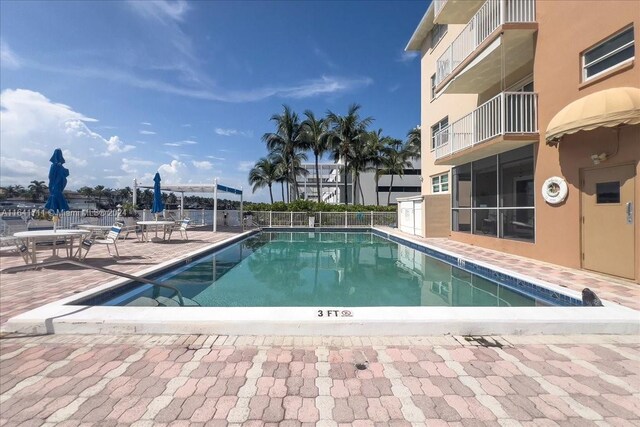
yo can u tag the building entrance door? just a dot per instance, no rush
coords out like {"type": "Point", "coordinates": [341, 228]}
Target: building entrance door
{"type": "Point", "coordinates": [608, 232]}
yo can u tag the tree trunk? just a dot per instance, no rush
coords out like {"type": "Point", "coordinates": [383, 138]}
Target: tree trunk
{"type": "Point", "coordinates": [282, 186]}
{"type": "Point", "coordinates": [318, 180]}
{"type": "Point", "coordinates": [361, 192]}
{"type": "Point", "coordinates": [346, 193]}
{"type": "Point", "coordinates": [377, 178]}
{"type": "Point", "coordinates": [354, 187]}
{"type": "Point", "coordinates": [390, 187]}
{"type": "Point", "coordinates": [270, 194]}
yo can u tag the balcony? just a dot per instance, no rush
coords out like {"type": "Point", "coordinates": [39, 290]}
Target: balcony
{"type": "Point", "coordinates": [505, 122]}
{"type": "Point", "coordinates": [477, 58]}
{"type": "Point", "coordinates": [455, 11]}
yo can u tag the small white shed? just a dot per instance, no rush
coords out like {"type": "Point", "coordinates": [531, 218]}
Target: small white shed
{"type": "Point", "coordinates": [410, 215]}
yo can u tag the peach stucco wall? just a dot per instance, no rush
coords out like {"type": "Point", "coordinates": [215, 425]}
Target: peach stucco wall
{"type": "Point", "coordinates": [566, 29]}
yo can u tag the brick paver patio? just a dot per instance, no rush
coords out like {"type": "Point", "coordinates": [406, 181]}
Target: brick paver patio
{"type": "Point", "coordinates": [273, 380]}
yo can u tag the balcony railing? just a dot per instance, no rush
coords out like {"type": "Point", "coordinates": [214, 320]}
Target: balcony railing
{"type": "Point", "coordinates": [490, 16]}
{"type": "Point", "coordinates": [437, 6]}
{"type": "Point", "coordinates": [506, 113]}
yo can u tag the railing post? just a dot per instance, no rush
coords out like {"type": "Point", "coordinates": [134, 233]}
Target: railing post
{"type": "Point", "coordinates": [320, 220]}
{"type": "Point", "coordinates": [503, 11]}
{"type": "Point", "coordinates": [202, 215]}
{"type": "Point", "coordinates": [291, 220]}
{"type": "Point", "coordinates": [345, 219]}
{"type": "Point", "coordinates": [503, 107]}
{"type": "Point", "coordinates": [371, 219]}
{"type": "Point", "coordinates": [270, 218]}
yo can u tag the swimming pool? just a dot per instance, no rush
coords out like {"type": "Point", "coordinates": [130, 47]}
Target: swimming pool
{"type": "Point", "coordinates": [340, 316]}
{"type": "Point", "coordinates": [302, 269]}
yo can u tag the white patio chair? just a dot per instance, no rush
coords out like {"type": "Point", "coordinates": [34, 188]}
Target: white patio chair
{"type": "Point", "coordinates": [181, 227]}
{"type": "Point", "coordinates": [111, 239]}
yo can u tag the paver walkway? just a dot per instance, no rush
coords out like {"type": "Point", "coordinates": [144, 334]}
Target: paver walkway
{"type": "Point", "coordinates": [252, 381]}
{"type": "Point", "coordinates": [335, 381]}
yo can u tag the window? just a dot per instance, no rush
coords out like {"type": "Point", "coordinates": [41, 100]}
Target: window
{"type": "Point", "coordinates": [437, 33]}
{"type": "Point", "coordinates": [442, 139]}
{"type": "Point", "coordinates": [608, 192]}
{"type": "Point", "coordinates": [605, 56]}
{"type": "Point", "coordinates": [495, 196]}
{"type": "Point", "coordinates": [440, 183]}
{"type": "Point", "coordinates": [433, 87]}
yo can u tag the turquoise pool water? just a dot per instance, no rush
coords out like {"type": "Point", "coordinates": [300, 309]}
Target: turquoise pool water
{"type": "Point", "coordinates": [301, 269]}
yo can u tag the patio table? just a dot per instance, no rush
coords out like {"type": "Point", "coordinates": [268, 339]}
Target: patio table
{"type": "Point", "coordinates": [155, 224]}
{"type": "Point", "coordinates": [101, 230]}
{"type": "Point", "coordinates": [30, 238]}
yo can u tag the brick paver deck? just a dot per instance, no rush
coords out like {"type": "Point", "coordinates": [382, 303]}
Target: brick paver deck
{"type": "Point", "coordinates": [176, 380]}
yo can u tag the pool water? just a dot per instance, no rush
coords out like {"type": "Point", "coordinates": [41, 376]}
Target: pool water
{"type": "Point", "coordinates": [301, 269]}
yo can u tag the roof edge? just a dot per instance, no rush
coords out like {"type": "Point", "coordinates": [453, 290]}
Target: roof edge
{"type": "Point", "coordinates": [421, 31]}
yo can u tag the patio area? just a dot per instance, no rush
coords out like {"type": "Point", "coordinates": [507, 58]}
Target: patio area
{"type": "Point", "coordinates": [177, 380]}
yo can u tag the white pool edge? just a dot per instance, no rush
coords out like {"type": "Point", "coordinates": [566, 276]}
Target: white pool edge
{"type": "Point", "coordinates": [59, 318]}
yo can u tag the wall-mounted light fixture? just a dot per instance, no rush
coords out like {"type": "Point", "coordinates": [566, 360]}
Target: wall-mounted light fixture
{"type": "Point", "coordinates": [597, 158]}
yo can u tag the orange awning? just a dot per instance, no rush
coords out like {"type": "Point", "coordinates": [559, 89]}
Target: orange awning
{"type": "Point", "coordinates": [606, 108]}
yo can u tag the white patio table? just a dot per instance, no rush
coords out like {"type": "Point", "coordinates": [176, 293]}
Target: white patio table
{"type": "Point", "coordinates": [101, 230]}
{"type": "Point", "coordinates": [30, 238]}
{"type": "Point", "coordinates": [154, 224]}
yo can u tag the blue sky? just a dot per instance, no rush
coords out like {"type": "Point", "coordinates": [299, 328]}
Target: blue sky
{"type": "Point", "coordinates": [128, 88]}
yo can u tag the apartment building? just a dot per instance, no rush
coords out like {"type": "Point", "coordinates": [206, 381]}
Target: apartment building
{"type": "Point", "coordinates": [332, 187]}
{"type": "Point", "coordinates": [531, 129]}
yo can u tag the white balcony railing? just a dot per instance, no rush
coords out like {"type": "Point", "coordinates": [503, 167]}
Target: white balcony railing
{"type": "Point", "coordinates": [437, 6]}
{"type": "Point", "coordinates": [490, 16]}
{"type": "Point", "coordinates": [506, 113]}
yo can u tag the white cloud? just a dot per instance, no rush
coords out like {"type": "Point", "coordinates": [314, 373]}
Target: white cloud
{"type": "Point", "coordinates": [133, 166]}
{"type": "Point", "coordinates": [215, 158]}
{"type": "Point", "coordinates": [147, 132]}
{"type": "Point", "coordinates": [246, 166]}
{"type": "Point", "coordinates": [203, 165]}
{"type": "Point", "coordinates": [407, 56]}
{"type": "Point", "coordinates": [8, 58]}
{"type": "Point", "coordinates": [34, 152]}
{"type": "Point", "coordinates": [180, 143]}
{"type": "Point", "coordinates": [145, 123]}
{"type": "Point", "coordinates": [161, 10]}
{"type": "Point", "coordinates": [233, 132]}
{"type": "Point", "coordinates": [13, 168]}
{"type": "Point", "coordinates": [186, 125]}
{"type": "Point", "coordinates": [33, 126]}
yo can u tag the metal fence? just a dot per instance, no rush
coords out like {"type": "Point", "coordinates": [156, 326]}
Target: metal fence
{"type": "Point", "coordinates": [324, 219]}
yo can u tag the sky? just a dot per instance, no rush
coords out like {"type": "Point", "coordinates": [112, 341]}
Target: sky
{"type": "Point", "coordinates": [187, 88]}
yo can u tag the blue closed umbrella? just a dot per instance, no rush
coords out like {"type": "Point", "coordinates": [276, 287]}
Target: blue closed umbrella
{"type": "Point", "coordinates": [57, 182]}
{"type": "Point", "coordinates": [158, 206]}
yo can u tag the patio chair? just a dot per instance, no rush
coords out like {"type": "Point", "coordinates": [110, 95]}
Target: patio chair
{"type": "Point", "coordinates": [111, 239]}
{"type": "Point", "coordinates": [181, 227]}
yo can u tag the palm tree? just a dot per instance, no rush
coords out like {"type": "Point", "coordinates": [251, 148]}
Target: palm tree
{"type": "Point", "coordinates": [37, 189]}
{"type": "Point", "coordinates": [360, 161]}
{"type": "Point", "coordinates": [99, 192]}
{"type": "Point", "coordinates": [281, 172]}
{"type": "Point", "coordinates": [312, 131]}
{"type": "Point", "coordinates": [376, 146]}
{"type": "Point", "coordinates": [396, 160]}
{"type": "Point", "coordinates": [264, 173]}
{"type": "Point", "coordinates": [344, 132]}
{"type": "Point", "coordinates": [414, 142]}
{"type": "Point", "coordinates": [288, 141]}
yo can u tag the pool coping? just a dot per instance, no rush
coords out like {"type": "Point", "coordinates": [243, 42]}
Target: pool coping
{"type": "Point", "coordinates": [57, 317]}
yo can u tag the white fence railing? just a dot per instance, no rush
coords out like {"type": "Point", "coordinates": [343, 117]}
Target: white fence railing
{"type": "Point", "coordinates": [489, 17]}
{"type": "Point", "coordinates": [507, 112]}
{"type": "Point", "coordinates": [324, 219]}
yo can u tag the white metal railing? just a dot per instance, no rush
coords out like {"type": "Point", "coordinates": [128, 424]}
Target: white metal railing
{"type": "Point", "coordinates": [487, 19]}
{"type": "Point", "coordinates": [437, 6]}
{"type": "Point", "coordinates": [324, 219]}
{"type": "Point", "coordinates": [507, 112]}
